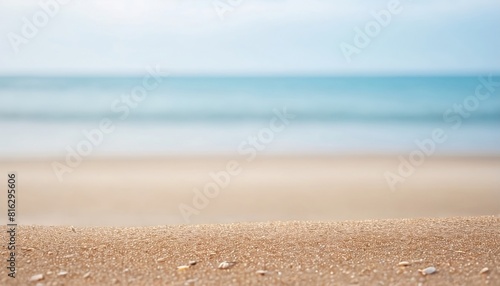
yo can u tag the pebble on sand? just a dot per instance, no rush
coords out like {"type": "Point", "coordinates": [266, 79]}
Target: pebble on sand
{"type": "Point", "coordinates": [428, 270]}
{"type": "Point", "coordinates": [191, 281]}
{"type": "Point", "coordinates": [484, 270]}
{"type": "Point", "coordinates": [192, 262]}
{"type": "Point", "coordinates": [261, 272]}
{"type": "Point", "coordinates": [62, 273]}
{"type": "Point", "coordinates": [161, 259]}
{"type": "Point", "coordinates": [36, 277]}
{"type": "Point", "coordinates": [86, 275]}
{"type": "Point", "coordinates": [226, 265]}
{"type": "Point", "coordinates": [404, 263]}
{"type": "Point", "coordinates": [183, 267]}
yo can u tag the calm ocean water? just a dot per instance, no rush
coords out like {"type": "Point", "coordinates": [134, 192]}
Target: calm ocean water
{"type": "Point", "coordinates": [339, 115]}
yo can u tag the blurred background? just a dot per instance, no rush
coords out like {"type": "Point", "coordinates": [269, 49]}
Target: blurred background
{"type": "Point", "coordinates": [186, 84]}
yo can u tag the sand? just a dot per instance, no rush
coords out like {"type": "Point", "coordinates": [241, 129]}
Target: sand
{"type": "Point", "coordinates": [149, 191]}
{"type": "Point", "coordinates": [286, 253]}
{"type": "Point", "coordinates": [310, 220]}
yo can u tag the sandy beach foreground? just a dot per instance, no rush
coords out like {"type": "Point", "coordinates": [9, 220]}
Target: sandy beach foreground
{"type": "Point", "coordinates": [278, 253]}
{"type": "Point", "coordinates": [334, 221]}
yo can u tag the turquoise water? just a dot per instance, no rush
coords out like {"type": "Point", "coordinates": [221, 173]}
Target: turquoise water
{"type": "Point", "coordinates": [40, 116]}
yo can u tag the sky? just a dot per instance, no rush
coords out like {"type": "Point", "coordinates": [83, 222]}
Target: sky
{"type": "Point", "coordinates": [248, 37]}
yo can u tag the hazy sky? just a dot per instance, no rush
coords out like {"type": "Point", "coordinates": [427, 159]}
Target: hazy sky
{"type": "Point", "coordinates": [255, 37]}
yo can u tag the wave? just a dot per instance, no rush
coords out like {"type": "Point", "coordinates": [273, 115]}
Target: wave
{"type": "Point", "coordinates": [217, 117]}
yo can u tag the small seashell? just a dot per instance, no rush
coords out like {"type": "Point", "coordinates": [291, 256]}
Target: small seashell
{"type": "Point", "coordinates": [226, 265]}
{"type": "Point", "coordinates": [62, 273]}
{"type": "Point", "coordinates": [183, 267]}
{"type": "Point", "coordinates": [73, 229]}
{"type": "Point", "coordinates": [192, 262]}
{"type": "Point", "coordinates": [86, 275]}
{"type": "Point", "coordinates": [427, 271]}
{"type": "Point", "coordinates": [161, 259]}
{"type": "Point", "coordinates": [261, 272]}
{"type": "Point", "coordinates": [484, 270]}
{"type": "Point", "coordinates": [49, 272]}
{"type": "Point", "coordinates": [404, 263]}
{"type": "Point", "coordinates": [36, 277]}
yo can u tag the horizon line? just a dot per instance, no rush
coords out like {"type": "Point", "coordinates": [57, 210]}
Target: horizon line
{"type": "Point", "coordinates": [249, 75]}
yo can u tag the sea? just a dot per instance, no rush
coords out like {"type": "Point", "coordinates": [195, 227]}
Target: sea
{"type": "Point", "coordinates": [44, 116]}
